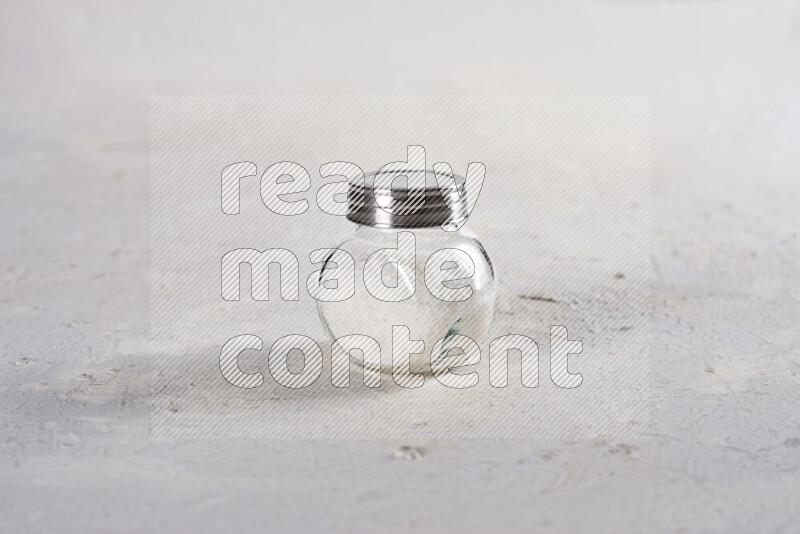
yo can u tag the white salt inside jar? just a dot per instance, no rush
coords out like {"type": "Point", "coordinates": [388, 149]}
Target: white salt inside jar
{"type": "Point", "coordinates": [399, 239]}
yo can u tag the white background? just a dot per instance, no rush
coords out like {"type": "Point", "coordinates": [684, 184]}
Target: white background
{"type": "Point", "coordinates": [76, 80]}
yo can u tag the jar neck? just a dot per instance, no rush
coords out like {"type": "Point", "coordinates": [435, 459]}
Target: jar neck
{"type": "Point", "coordinates": [432, 231]}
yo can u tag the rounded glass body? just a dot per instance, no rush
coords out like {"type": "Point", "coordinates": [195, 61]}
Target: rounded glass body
{"type": "Point", "coordinates": [428, 317]}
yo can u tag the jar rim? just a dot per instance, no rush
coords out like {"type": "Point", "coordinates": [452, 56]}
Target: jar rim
{"type": "Point", "coordinates": [422, 202]}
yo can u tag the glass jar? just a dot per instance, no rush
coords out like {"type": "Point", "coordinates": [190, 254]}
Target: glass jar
{"type": "Point", "coordinates": [416, 266]}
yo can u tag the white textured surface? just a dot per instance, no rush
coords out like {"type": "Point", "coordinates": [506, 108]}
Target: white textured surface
{"type": "Point", "coordinates": [75, 453]}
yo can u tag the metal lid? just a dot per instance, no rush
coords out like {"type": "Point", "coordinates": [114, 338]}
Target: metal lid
{"type": "Point", "coordinates": [384, 200]}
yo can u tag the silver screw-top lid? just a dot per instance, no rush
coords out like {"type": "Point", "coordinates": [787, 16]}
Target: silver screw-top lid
{"type": "Point", "coordinates": [407, 199]}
